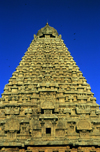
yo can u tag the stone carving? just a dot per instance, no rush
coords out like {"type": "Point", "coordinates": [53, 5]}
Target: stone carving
{"type": "Point", "coordinates": [12, 125]}
{"type": "Point", "coordinates": [67, 110]}
{"type": "Point", "coordinates": [60, 132]}
{"type": "Point", "coordinates": [84, 134]}
{"type": "Point", "coordinates": [47, 103]}
{"type": "Point", "coordinates": [1, 128]}
{"type": "Point", "coordinates": [34, 123]}
{"type": "Point", "coordinates": [61, 124]}
{"type": "Point", "coordinates": [71, 124]}
{"type": "Point", "coordinates": [80, 149]}
{"type": "Point", "coordinates": [28, 111]}
{"type": "Point", "coordinates": [24, 128]}
{"type": "Point", "coordinates": [83, 109]}
{"type": "Point", "coordinates": [68, 149]}
{"type": "Point", "coordinates": [84, 125]}
{"type": "Point", "coordinates": [12, 110]}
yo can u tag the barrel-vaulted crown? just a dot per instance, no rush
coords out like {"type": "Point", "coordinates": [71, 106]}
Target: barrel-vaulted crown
{"type": "Point", "coordinates": [47, 30]}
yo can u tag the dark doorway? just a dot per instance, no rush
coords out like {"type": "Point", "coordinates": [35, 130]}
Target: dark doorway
{"type": "Point", "coordinates": [48, 130]}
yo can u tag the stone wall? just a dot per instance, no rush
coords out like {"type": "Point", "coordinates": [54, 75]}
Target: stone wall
{"type": "Point", "coordinates": [52, 149]}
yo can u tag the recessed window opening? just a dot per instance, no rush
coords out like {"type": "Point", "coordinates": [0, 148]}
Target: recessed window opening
{"type": "Point", "coordinates": [42, 36]}
{"type": "Point", "coordinates": [52, 36]}
{"type": "Point", "coordinates": [47, 34]}
{"type": "Point", "coordinates": [42, 111]}
{"type": "Point", "coordinates": [48, 130]}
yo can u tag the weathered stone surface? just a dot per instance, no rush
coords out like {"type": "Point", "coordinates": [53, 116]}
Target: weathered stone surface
{"type": "Point", "coordinates": [48, 102]}
{"type": "Point", "coordinates": [52, 149]}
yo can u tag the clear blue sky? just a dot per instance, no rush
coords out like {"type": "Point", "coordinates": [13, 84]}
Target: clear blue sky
{"type": "Point", "coordinates": [78, 21]}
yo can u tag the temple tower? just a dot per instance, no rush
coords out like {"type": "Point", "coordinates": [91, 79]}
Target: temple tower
{"type": "Point", "coordinates": [48, 106]}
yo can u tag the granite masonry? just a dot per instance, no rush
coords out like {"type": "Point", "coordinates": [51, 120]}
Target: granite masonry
{"type": "Point", "coordinates": [48, 106]}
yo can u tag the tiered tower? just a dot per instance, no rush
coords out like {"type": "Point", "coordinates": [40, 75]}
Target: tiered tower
{"type": "Point", "coordinates": [48, 106]}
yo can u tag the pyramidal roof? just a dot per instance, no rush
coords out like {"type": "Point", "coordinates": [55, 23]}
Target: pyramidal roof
{"type": "Point", "coordinates": [47, 100]}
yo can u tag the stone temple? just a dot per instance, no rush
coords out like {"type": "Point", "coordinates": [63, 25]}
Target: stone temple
{"type": "Point", "coordinates": [48, 106]}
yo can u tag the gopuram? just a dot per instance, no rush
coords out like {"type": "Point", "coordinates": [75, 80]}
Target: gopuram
{"type": "Point", "coordinates": [48, 106]}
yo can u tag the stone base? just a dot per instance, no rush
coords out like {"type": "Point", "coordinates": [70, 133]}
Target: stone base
{"type": "Point", "coordinates": [51, 149]}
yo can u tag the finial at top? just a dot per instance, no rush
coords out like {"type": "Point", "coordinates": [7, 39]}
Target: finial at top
{"type": "Point", "coordinates": [47, 23]}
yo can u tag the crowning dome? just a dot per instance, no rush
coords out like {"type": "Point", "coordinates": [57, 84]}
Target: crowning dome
{"type": "Point", "coordinates": [47, 30]}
